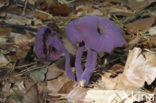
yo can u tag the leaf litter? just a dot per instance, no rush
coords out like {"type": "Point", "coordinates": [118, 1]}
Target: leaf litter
{"type": "Point", "coordinates": [126, 75]}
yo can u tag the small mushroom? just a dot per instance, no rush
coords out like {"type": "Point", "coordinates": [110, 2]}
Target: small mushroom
{"type": "Point", "coordinates": [48, 47]}
{"type": "Point", "coordinates": [98, 35]}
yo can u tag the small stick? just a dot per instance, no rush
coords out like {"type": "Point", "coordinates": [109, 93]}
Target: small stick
{"type": "Point", "coordinates": [25, 65]}
{"type": "Point", "coordinates": [3, 24]}
{"type": "Point", "coordinates": [25, 5]}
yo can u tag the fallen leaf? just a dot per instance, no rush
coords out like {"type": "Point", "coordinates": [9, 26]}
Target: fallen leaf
{"type": "Point", "coordinates": [3, 73]}
{"type": "Point", "coordinates": [135, 40]}
{"type": "Point", "coordinates": [138, 69]}
{"type": "Point", "coordinates": [17, 20]}
{"type": "Point", "coordinates": [20, 54]}
{"type": "Point", "coordinates": [77, 95]}
{"type": "Point", "coordinates": [4, 3]}
{"type": "Point", "coordinates": [33, 2]}
{"type": "Point", "coordinates": [117, 96]}
{"type": "Point", "coordinates": [44, 5]}
{"type": "Point", "coordinates": [39, 74]}
{"type": "Point", "coordinates": [42, 92]}
{"type": "Point", "coordinates": [4, 32]}
{"type": "Point", "coordinates": [122, 11]}
{"type": "Point", "coordinates": [140, 25]}
{"type": "Point", "coordinates": [60, 9]}
{"type": "Point", "coordinates": [31, 96]}
{"type": "Point", "coordinates": [19, 88]}
{"type": "Point", "coordinates": [129, 38]}
{"type": "Point", "coordinates": [60, 85]}
{"type": "Point", "coordinates": [6, 89]}
{"type": "Point", "coordinates": [3, 40]}
{"type": "Point", "coordinates": [69, 46]}
{"type": "Point", "coordinates": [153, 40]}
{"type": "Point", "coordinates": [152, 31]}
{"type": "Point", "coordinates": [138, 5]}
{"type": "Point", "coordinates": [116, 1]}
{"type": "Point", "coordinates": [87, 95]}
{"type": "Point", "coordinates": [23, 41]}
{"type": "Point", "coordinates": [41, 16]}
{"type": "Point", "coordinates": [53, 72]}
{"type": "Point", "coordinates": [3, 60]}
{"type": "Point", "coordinates": [87, 9]}
{"type": "Point", "coordinates": [116, 70]}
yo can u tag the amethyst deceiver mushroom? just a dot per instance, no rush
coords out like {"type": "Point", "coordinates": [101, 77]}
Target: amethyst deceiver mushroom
{"type": "Point", "coordinates": [48, 47]}
{"type": "Point", "coordinates": [98, 35]}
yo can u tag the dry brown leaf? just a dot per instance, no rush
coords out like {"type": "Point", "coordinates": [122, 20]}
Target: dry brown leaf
{"type": "Point", "coordinates": [20, 54]}
{"type": "Point", "coordinates": [115, 10]}
{"type": "Point", "coordinates": [54, 72]}
{"type": "Point", "coordinates": [4, 3]}
{"type": "Point", "coordinates": [135, 40]}
{"type": "Point", "coordinates": [43, 5]}
{"type": "Point", "coordinates": [87, 95]}
{"type": "Point", "coordinates": [69, 46]}
{"type": "Point", "coordinates": [42, 92]}
{"type": "Point", "coordinates": [128, 38]}
{"type": "Point", "coordinates": [6, 89]}
{"type": "Point", "coordinates": [17, 20]}
{"type": "Point", "coordinates": [19, 87]}
{"type": "Point", "coordinates": [140, 25]}
{"type": "Point", "coordinates": [116, 69]}
{"type": "Point", "coordinates": [77, 95]}
{"type": "Point", "coordinates": [33, 2]}
{"type": "Point", "coordinates": [87, 9]}
{"type": "Point", "coordinates": [117, 96]}
{"type": "Point", "coordinates": [4, 32]}
{"type": "Point", "coordinates": [28, 83]}
{"type": "Point", "coordinates": [153, 40]}
{"type": "Point", "coordinates": [60, 9]}
{"type": "Point", "coordinates": [23, 20]}
{"type": "Point", "coordinates": [41, 16]}
{"type": "Point", "coordinates": [31, 96]}
{"type": "Point", "coordinates": [138, 69]}
{"type": "Point", "coordinates": [3, 60]}
{"type": "Point", "coordinates": [152, 31]}
{"type": "Point", "coordinates": [60, 85]}
{"type": "Point", "coordinates": [22, 40]}
{"type": "Point", "coordinates": [136, 5]}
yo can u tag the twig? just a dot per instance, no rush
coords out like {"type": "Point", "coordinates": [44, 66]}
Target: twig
{"type": "Point", "coordinates": [23, 66]}
{"type": "Point", "coordinates": [3, 24]}
{"type": "Point", "coordinates": [140, 13]}
{"type": "Point", "coordinates": [25, 6]}
{"type": "Point", "coordinates": [150, 51]}
{"type": "Point", "coordinates": [30, 6]}
{"type": "Point", "coordinates": [29, 70]}
{"type": "Point", "coordinates": [37, 10]}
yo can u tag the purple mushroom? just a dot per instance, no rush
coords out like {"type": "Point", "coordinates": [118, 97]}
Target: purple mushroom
{"type": "Point", "coordinates": [48, 47]}
{"type": "Point", "coordinates": [98, 35]}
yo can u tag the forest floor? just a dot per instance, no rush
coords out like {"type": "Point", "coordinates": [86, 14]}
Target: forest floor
{"type": "Point", "coordinates": [127, 74]}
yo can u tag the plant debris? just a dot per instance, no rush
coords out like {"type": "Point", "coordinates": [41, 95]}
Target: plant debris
{"type": "Point", "coordinates": [127, 74]}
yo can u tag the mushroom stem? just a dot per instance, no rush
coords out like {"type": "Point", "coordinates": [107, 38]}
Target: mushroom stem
{"type": "Point", "coordinates": [78, 65]}
{"type": "Point", "coordinates": [60, 47]}
{"type": "Point", "coordinates": [89, 66]}
{"type": "Point", "coordinates": [69, 72]}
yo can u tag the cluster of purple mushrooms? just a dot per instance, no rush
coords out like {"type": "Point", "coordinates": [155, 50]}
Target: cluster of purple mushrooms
{"type": "Point", "coordinates": [95, 33]}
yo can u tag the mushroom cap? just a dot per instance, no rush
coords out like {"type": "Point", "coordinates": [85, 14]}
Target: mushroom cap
{"type": "Point", "coordinates": [97, 33]}
{"type": "Point", "coordinates": [47, 44]}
